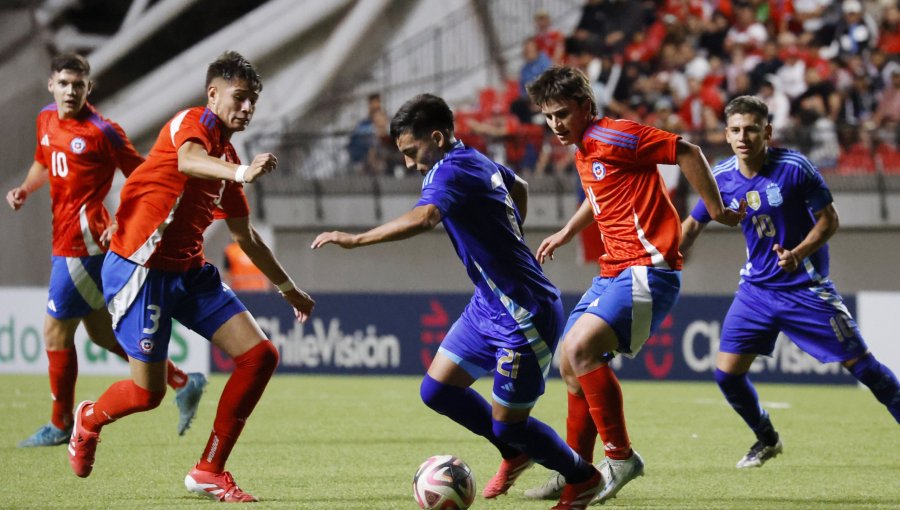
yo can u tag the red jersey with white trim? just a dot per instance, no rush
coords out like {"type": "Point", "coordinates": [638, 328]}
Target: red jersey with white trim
{"type": "Point", "coordinates": [81, 156]}
{"type": "Point", "coordinates": [163, 212]}
{"type": "Point", "coordinates": [638, 223]}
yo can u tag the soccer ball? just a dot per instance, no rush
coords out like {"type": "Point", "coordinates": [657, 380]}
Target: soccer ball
{"type": "Point", "coordinates": [444, 482]}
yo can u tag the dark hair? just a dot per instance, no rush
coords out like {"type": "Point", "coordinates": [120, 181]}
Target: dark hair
{"type": "Point", "coordinates": [562, 83]}
{"type": "Point", "coordinates": [70, 62]}
{"type": "Point", "coordinates": [421, 115]}
{"type": "Point", "coordinates": [748, 104]}
{"type": "Point", "coordinates": [231, 65]}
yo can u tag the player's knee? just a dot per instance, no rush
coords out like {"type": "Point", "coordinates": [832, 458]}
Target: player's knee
{"type": "Point", "coordinates": [262, 358]}
{"type": "Point", "coordinates": [430, 391]}
{"type": "Point", "coordinates": [147, 400]}
{"type": "Point", "coordinates": [268, 357]}
{"type": "Point", "coordinates": [511, 433]}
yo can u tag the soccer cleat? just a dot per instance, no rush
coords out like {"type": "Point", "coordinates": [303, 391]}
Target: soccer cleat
{"type": "Point", "coordinates": [47, 435]}
{"type": "Point", "coordinates": [219, 486]}
{"type": "Point", "coordinates": [617, 473]}
{"type": "Point", "coordinates": [82, 444]}
{"type": "Point", "coordinates": [551, 489]}
{"type": "Point", "coordinates": [187, 398]}
{"type": "Point", "coordinates": [759, 453]}
{"type": "Point", "coordinates": [577, 496]}
{"type": "Point", "coordinates": [506, 476]}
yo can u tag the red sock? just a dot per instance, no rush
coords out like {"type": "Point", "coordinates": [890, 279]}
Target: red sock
{"type": "Point", "coordinates": [252, 371]}
{"type": "Point", "coordinates": [581, 433]}
{"type": "Point", "coordinates": [175, 377]}
{"type": "Point", "coordinates": [120, 399]}
{"type": "Point", "coordinates": [604, 396]}
{"type": "Point", "coordinates": [63, 370]}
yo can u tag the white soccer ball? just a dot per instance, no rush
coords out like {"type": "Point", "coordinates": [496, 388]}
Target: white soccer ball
{"type": "Point", "coordinates": [444, 482]}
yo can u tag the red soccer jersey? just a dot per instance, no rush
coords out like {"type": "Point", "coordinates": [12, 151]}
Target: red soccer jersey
{"type": "Point", "coordinates": [81, 156]}
{"type": "Point", "coordinates": [163, 212]}
{"type": "Point", "coordinates": [617, 167]}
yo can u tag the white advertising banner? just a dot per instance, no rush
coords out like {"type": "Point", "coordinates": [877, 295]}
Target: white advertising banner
{"type": "Point", "coordinates": [22, 312]}
{"type": "Point", "coordinates": [875, 312]}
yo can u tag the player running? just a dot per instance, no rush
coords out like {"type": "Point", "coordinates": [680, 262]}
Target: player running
{"type": "Point", "coordinates": [640, 269]}
{"type": "Point", "coordinates": [790, 220]}
{"type": "Point", "coordinates": [155, 272]}
{"type": "Point", "coordinates": [78, 152]}
{"type": "Point", "coordinates": [513, 322]}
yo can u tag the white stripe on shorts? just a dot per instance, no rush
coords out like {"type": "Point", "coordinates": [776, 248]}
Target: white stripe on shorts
{"type": "Point", "coordinates": [123, 299]}
{"type": "Point", "coordinates": [84, 284]}
{"type": "Point", "coordinates": [89, 243]}
{"type": "Point", "coordinates": [641, 308]}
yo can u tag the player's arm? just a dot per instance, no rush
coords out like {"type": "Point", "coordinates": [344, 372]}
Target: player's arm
{"type": "Point", "coordinates": [827, 223]}
{"type": "Point", "coordinates": [420, 219]}
{"type": "Point", "coordinates": [37, 177]}
{"type": "Point", "coordinates": [583, 217]}
{"type": "Point", "coordinates": [690, 231]}
{"type": "Point", "coordinates": [696, 169]}
{"type": "Point", "coordinates": [194, 161]}
{"type": "Point", "coordinates": [519, 195]}
{"type": "Point", "coordinates": [259, 252]}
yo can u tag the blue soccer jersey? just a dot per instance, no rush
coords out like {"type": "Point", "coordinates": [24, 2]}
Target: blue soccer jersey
{"type": "Point", "coordinates": [781, 201]}
{"type": "Point", "coordinates": [484, 225]}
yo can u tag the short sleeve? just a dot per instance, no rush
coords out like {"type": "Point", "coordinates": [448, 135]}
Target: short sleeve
{"type": "Point", "coordinates": [127, 157]}
{"type": "Point", "coordinates": [630, 144]}
{"type": "Point", "coordinates": [194, 125]}
{"type": "Point", "coordinates": [813, 188]}
{"type": "Point", "coordinates": [441, 189]}
{"type": "Point", "coordinates": [38, 152]}
{"type": "Point", "coordinates": [233, 204]}
{"type": "Point", "coordinates": [700, 213]}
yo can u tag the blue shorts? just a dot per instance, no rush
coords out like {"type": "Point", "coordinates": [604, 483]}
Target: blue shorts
{"type": "Point", "coordinates": [813, 318]}
{"type": "Point", "coordinates": [634, 304]}
{"type": "Point", "coordinates": [74, 286]}
{"type": "Point", "coordinates": [518, 348]}
{"type": "Point", "coordinates": [144, 301]}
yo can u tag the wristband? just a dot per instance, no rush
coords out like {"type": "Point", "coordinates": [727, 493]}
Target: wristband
{"type": "Point", "coordinates": [286, 286]}
{"type": "Point", "coordinates": [239, 173]}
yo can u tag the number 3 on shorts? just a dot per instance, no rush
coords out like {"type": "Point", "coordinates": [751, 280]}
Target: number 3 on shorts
{"type": "Point", "coordinates": [154, 318]}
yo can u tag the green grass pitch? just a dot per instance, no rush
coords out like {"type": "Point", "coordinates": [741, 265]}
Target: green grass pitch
{"type": "Point", "coordinates": [355, 443]}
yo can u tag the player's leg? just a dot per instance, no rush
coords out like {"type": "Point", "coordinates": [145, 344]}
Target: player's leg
{"type": "Point", "coordinates": [73, 293]}
{"type": "Point", "coordinates": [188, 387]}
{"type": "Point", "coordinates": [749, 329]}
{"type": "Point", "coordinates": [216, 313]}
{"type": "Point", "coordinates": [822, 326]}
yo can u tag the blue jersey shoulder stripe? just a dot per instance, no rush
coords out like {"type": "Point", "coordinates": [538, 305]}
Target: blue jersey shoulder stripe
{"type": "Point", "coordinates": [726, 165]}
{"type": "Point", "coordinates": [617, 143]}
{"type": "Point", "coordinates": [613, 136]}
{"type": "Point", "coordinates": [797, 160]}
{"type": "Point", "coordinates": [615, 132]}
{"type": "Point", "coordinates": [208, 118]}
{"type": "Point", "coordinates": [107, 129]}
{"type": "Point", "coordinates": [49, 108]}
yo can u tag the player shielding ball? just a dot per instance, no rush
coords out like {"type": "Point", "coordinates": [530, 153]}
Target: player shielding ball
{"type": "Point", "coordinates": [784, 286]}
{"type": "Point", "coordinates": [77, 153]}
{"type": "Point", "coordinates": [513, 321]}
{"type": "Point", "coordinates": [155, 272]}
{"type": "Point", "coordinates": [640, 269]}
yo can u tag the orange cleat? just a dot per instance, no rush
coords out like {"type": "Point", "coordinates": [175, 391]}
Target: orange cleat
{"type": "Point", "coordinates": [219, 486]}
{"type": "Point", "coordinates": [506, 476]}
{"type": "Point", "coordinates": [82, 443]}
{"type": "Point", "coordinates": [577, 496]}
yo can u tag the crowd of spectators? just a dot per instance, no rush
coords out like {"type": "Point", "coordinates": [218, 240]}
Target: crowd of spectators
{"type": "Point", "coordinates": [828, 69]}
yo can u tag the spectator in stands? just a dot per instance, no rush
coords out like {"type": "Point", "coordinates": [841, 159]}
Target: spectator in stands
{"type": "Point", "coordinates": [712, 37]}
{"type": "Point", "coordinates": [664, 117]}
{"type": "Point", "coordinates": [889, 38]}
{"type": "Point", "coordinates": [534, 62]}
{"type": "Point", "coordinates": [550, 41]}
{"type": "Point", "coordinates": [792, 75]}
{"type": "Point", "coordinates": [887, 114]}
{"type": "Point", "coordinates": [363, 138]}
{"type": "Point", "coordinates": [813, 21]}
{"type": "Point", "coordinates": [746, 31]}
{"type": "Point", "coordinates": [779, 106]}
{"type": "Point", "coordinates": [769, 63]}
{"type": "Point", "coordinates": [856, 32]}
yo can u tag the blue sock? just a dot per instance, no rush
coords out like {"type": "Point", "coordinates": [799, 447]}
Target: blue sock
{"type": "Point", "coordinates": [742, 396]}
{"type": "Point", "coordinates": [466, 407]}
{"type": "Point", "coordinates": [543, 445]}
{"type": "Point", "coordinates": [881, 381]}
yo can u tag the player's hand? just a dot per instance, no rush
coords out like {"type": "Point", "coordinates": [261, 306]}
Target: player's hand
{"type": "Point", "coordinates": [549, 245]}
{"type": "Point", "coordinates": [262, 164]}
{"type": "Point", "coordinates": [302, 303]}
{"type": "Point", "coordinates": [107, 234]}
{"type": "Point", "coordinates": [342, 239]}
{"type": "Point", "coordinates": [16, 198]}
{"type": "Point", "coordinates": [787, 261]}
{"type": "Point", "coordinates": [731, 217]}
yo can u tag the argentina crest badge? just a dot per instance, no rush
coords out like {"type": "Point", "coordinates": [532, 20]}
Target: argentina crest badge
{"type": "Point", "coordinates": [599, 170]}
{"type": "Point", "coordinates": [753, 200]}
{"type": "Point", "coordinates": [773, 195]}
